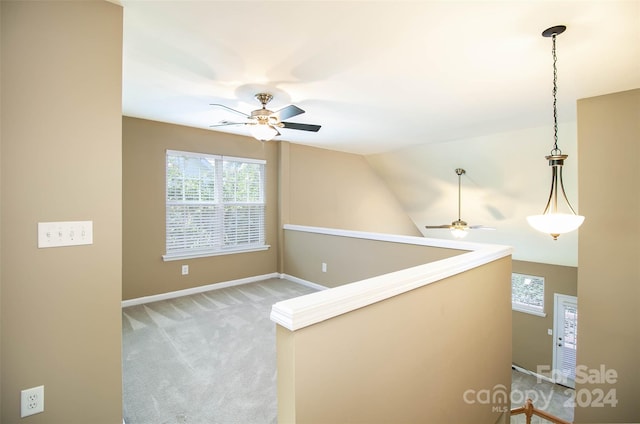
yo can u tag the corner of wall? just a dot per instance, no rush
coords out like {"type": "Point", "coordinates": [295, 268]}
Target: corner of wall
{"type": "Point", "coordinates": [284, 201]}
{"type": "Point", "coordinates": [1, 320]}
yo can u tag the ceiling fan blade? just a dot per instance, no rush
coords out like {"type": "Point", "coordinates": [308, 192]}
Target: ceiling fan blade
{"type": "Point", "coordinates": [437, 226]}
{"type": "Point", "coordinates": [480, 227]}
{"type": "Point", "coordinates": [303, 127]}
{"type": "Point", "coordinates": [227, 123]}
{"type": "Point", "coordinates": [228, 108]}
{"type": "Point", "coordinates": [288, 112]}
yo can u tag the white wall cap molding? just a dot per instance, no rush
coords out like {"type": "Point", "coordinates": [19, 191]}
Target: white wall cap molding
{"type": "Point", "coordinates": [310, 309]}
{"type": "Point", "coordinates": [395, 238]}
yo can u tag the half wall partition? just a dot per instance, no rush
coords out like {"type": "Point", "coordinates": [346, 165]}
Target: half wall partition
{"type": "Point", "coordinates": [425, 339]}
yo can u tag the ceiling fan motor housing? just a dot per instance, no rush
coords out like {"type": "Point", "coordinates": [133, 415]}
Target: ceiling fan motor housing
{"type": "Point", "coordinates": [458, 223]}
{"type": "Point", "coordinates": [265, 117]}
{"type": "Point", "coordinates": [261, 113]}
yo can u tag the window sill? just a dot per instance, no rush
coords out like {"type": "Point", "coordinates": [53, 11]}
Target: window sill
{"type": "Point", "coordinates": [529, 311]}
{"type": "Point", "coordinates": [194, 255]}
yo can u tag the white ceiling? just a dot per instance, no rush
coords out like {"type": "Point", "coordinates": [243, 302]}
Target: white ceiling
{"type": "Point", "coordinates": [378, 76]}
{"type": "Point", "coordinates": [393, 80]}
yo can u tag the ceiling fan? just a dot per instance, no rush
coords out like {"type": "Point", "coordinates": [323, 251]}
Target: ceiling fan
{"type": "Point", "coordinates": [264, 123]}
{"type": "Point", "coordinates": [459, 228]}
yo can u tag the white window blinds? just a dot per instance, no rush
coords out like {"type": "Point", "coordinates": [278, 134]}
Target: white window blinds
{"type": "Point", "coordinates": [214, 204]}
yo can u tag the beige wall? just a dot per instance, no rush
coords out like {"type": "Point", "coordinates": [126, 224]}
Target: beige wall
{"type": "Point", "coordinates": [351, 259]}
{"type": "Point", "coordinates": [1, 37]}
{"type": "Point", "coordinates": [339, 190]}
{"type": "Point", "coordinates": [408, 359]}
{"type": "Point", "coordinates": [609, 270]}
{"type": "Point", "coordinates": [61, 161]}
{"type": "Point", "coordinates": [532, 346]}
{"type": "Point", "coordinates": [306, 186]}
{"type": "Point", "coordinates": [144, 147]}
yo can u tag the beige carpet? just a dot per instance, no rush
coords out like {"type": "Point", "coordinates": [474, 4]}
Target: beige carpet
{"type": "Point", "coordinates": [205, 358]}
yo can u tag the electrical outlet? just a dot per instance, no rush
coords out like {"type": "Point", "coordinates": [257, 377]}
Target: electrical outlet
{"type": "Point", "coordinates": [31, 401]}
{"type": "Point", "coordinates": [324, 267]}
{"type": "Point", "coordinates": [185, 269]}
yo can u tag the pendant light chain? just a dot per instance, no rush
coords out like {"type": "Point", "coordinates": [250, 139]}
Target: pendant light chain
{"type": "Point", "coordinates": [555, 150]}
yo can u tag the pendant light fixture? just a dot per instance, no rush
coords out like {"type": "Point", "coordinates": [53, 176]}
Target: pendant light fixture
{"type": "Point", "coordinates": [552, 221]}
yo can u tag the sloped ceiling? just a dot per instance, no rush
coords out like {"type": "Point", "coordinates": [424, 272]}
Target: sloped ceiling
{"type": "Point", "coordinates": [399, 81]}
{"type": "Point", "coordinates": [507, 179]}
{"type": "Point", "coordinates": [376, 75]}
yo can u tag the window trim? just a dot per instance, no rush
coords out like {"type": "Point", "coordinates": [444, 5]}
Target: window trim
{"type": "Point", "coordinates": [527, 309]}
{"type": "Point", "coordinates": [208, 252]}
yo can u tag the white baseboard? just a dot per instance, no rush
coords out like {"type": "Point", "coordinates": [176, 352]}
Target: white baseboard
{"type": "Point", "coordinates": [303, 282]}
{"type": "Point", "coordinates": [215, 286]}
{"type": "Point", "coordinates": [196, 290]}
{"type": "Point", "coordinates": [535, 374]}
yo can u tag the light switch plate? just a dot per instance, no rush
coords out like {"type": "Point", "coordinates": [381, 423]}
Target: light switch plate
{"type": "Point", "coordinates": [65, 233]}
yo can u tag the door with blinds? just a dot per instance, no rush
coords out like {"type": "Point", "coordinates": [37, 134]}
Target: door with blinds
{"type": "Point", "coordinates": [565, 330]}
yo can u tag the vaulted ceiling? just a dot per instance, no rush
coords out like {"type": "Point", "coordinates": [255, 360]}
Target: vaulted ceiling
{"type": "Point", "coordinates": [378, 75]}
{"type": "Point", "coordinates": [392, 80]}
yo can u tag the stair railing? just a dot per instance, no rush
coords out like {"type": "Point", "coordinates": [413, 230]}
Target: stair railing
{"type": "Point", "coordinates": [529, 410]}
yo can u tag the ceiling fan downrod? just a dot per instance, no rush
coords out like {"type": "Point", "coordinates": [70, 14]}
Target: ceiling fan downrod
{"type": "Point", "coordinates": [459, 172]}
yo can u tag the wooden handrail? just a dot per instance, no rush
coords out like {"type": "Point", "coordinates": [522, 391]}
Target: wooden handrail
{"type": "Point", "coordinates": [529, 410]}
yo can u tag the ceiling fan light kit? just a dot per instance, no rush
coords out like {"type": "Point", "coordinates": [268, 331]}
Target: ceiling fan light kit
{"type": "Point", "coordinates": [263, 132]}
{"type": "Point", "coordinates": [459, 232]}
{"type": "Point", "coordinates": [264, 123]}
{"type": "Point", "coordinates": [551, 221]}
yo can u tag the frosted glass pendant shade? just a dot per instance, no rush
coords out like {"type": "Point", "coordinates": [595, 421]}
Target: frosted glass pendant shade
{"type": "Point", "coordinates": [551, 221]}
{"type": "Point", "coordinates": [555, 223]}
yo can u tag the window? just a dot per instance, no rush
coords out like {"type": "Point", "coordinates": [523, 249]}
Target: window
{"type": "Point", "coordinates": [215, 205]}
{"type": "Point", "coordinates": [527, 294]}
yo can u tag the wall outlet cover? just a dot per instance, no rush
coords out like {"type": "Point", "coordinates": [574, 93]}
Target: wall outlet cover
{"type": "Point", "coordinates": [31, 401]}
